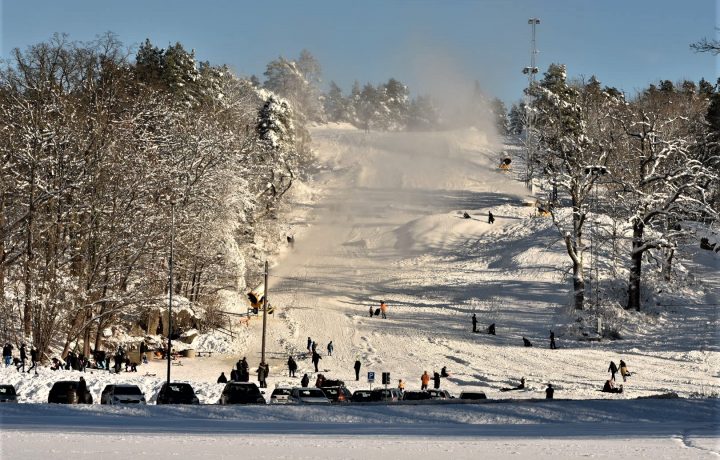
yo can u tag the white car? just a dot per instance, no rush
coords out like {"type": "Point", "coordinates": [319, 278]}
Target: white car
{"type": "Point", "coordinates": [308, 396]}
{"type": "Point", "coordinates": [122, 394]}
{"type": "Point", "coordinates": [280, 395]}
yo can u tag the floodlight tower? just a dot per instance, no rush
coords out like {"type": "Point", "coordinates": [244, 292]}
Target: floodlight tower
{"type": "Point", "coordinates": [530, 71]}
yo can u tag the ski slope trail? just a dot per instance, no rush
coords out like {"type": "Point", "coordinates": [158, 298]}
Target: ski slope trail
{"type": "Point", "coordinates": [388, 226]}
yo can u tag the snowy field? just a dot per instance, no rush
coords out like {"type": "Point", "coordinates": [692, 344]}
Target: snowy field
{"type": "Point", "coordinates": [383, 221]}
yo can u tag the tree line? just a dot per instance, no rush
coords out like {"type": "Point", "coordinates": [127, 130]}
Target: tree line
{"type": "Point", "coordinates": [98, 148]}
{"type": "Point", "coordinates": [653, 156]}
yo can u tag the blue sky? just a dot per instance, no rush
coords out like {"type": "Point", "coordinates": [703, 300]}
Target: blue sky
{"type": "Point", "coordinates": [627, 44]}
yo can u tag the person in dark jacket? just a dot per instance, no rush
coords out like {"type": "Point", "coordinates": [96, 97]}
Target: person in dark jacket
{"type": "Point", "coordinates": [305, 381]}
{"type": "Point", "coordinates": [371, 311]}
{"type": "Point", "coordinates": [444, 372]}
{"type": "Point", "coordinates": [330, 348]}
{"type": "Point", "coordinates": [491, 218]}
{"type": "Point", "coordinates": [491, 329]}
{"type": "Point", "coordinates": [316, 360]}
{"type": "Point", "coordinates": [234, 377]}
{"type": "Point", "coordinates": [309, 343]}
{"type": "Point", "coordinates": [474, 322]}
{"type": "Point", "coordinates": [357, 370]}
{"type": "Point", "coordinates": [261, 375]}
{"type": "Point", "coordinates": [436, 380]}
{"type": "Point", "coordinates": [549, 391]}
{"type": "Point", "coordinates": [609, 387]}
{"type": "Point", "coordinates": [7, 354]}
{"type": "Point", "coordinates": [33, 359]}
{"type": "Point", "coordinates": [243, 370]}
{"type": "Point", "coordinates": [222, 378]}
{"type": "Point", "coordinates": [82, 391]}
{"type": "Point", "coordinates": [23, 358]}
{"type": "Point", "coordinates": [552, 341]}
{"type": "Point", "coordinates": [526, 342]}
{"type": "Point", "coordinates": [292, 367]}
{"type": "Point", "coordinates": [613, 370]}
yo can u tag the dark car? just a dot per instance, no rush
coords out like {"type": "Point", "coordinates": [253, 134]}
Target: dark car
{"type": "Point", "coordinates": [361, 396]}
{"type": "Point", "coordinates": [241, 393]}
{"type": "Point", "coordinates": [177, 393]}
{"type": "Point", "coordinates": [389, 395]}
{"type": "Point", "coordinates": [472, 395]}
{"type": "Point", "coordinates": [122, 394]}
{"type": "Point", "coordinates": [337, 394]}
{"type": "Point", "coordinates": [7, 394]}
{"type": "Point", "coordinates": [65, 392]}
{"type": "Point", "coordinates": [415, 395]}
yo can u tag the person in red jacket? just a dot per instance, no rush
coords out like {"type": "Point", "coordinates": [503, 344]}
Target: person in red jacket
{"type": "Point", "coordinates": [425, 380]}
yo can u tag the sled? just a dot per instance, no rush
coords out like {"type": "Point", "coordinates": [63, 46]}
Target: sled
{"type": "Point", "coordinates": [377, 312]}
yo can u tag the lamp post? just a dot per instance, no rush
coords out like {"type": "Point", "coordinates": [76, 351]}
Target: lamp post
{"type": "Point", "coordinates": [170, 290]}
{"type": "Point", "coordinates": [265, 304]}
{"type": "Point", "coordinates": [530, 71]}
{"type": "Point", "coordinates": [595, 171]}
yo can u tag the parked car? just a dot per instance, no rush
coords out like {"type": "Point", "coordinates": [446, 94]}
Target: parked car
{"type": "Point", "coordinates": [122, 394]}
{"type": "Point", "coordinates": [308, 396]}
{"type": "Point", "coordinates": [280, 395]}
{"type": "Point", "coordinates": [241, 393]}
{"type": "Point", "coordinates": [65, 392]}
{"type": "Point", "coordinates": [361, 396]}
{"type": "Point", "coordinates": [472, 395]}
{"type": "Point", "coordinates": [440, 394]}
{"type": "Point", "coordinates": [337, 394]}
{"type": "Point", "coordinates": [177, 393]}
{"type": "Point", "coordinates": [389, 395]}
{"type": "Point", "coordinates": [7, 394]}
{"type": "Point", "coordinates": [415, 395]}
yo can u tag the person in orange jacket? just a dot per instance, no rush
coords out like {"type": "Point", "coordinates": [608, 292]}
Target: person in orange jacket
{"type": "Point", "coordinates": [425, 380]}
{"type": "Point", "coordinates": [383, 310]}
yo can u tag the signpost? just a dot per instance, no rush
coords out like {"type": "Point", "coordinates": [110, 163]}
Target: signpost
{"type": "Point", "coordinates": [371, 378]}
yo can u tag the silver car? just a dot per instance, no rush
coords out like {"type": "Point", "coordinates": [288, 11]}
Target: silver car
{"type": "Point", "coordinates": [280, 395]}
{"type": "Point", "coordinates": [122, 394]}
{"type": "Point", "coordinates": [308, 396]}
{"type": "Point", "coordinates": [7, 394]}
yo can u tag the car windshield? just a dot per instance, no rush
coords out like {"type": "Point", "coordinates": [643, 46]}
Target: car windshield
{"type": "Point", "coordinates": [133, 390]}
{"type": "Point", "coordinates": [7, 390]}
{"type": "Point", "coordinates": [311, 393]}
{"type": "Point", "coordinates": [180, 389]}
{"type": "Point", "coordinates": [241, 389]}
{"type": "Point", "coordinates": [281, 392]}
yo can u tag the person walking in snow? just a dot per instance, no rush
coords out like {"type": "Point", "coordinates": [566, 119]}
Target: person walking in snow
{"type": "Point", "coordinates": [383, 310]}
{"type": "Point", "coordinates": [33, 359]}
{"type": "Point", "coordinates": [552, 341]}
{"type": "Point", "coordinates": [7, 354]}
{"type": "Point", "coordinates": [292, 367]}
{"type": "Point", "coordinates": [474, 322]}
{"type": "Point", "coordinates": [424, 380]}
{"type": "Point", "coordinates": [316, 359]}
{"type": "Point", "coordinates": [330, 348]}
{"type": "Point", "coordinates": [549, 391]}
{"type": "Point", "coordinates": [222, 378]}
{"type": "Point", "coordinates": [313, 347]}
{"type": "Point", "coordinates": [305, 381]}
{"type": "Point", "coordinates": [357, 369]}
{"type": "Point", "coordinates": [436, 380]}
{"type": "Point", "coordinates": [491, 218]}
{"type": "Point", "coordinates": [624, 370]}
{"type": "Point", "coordinates": [23, 358]}
{"type": "Point", "coordinates": [613, 370]}
{"type": "Point", "coordinates": [309, 344]}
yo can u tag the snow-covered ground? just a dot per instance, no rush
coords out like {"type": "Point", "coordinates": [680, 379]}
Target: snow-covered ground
{"type": "Point", "coordinates": [383, 221]}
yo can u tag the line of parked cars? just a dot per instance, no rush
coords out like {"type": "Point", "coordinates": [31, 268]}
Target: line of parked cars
{"type": "Point", "coordinates": [66, 392]}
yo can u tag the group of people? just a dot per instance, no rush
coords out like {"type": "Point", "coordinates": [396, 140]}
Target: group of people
{"type": "Point", "coordinates": [425, 379]}
{"type": "Point", "coordinates": [381, 310]}
{"type": "Point", "coordinates": [526, 342]}
{"type": "Point", "coordinates": [609, 386]}
{"type": "Point", "coordinates": [19, 362]}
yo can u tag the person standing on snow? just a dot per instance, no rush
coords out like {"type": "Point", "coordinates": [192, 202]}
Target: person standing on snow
{"type": "Point", "coordinates": [330, 348]}
{"type": "Point", "coordinates": [401, 386]}
{"type": "Point", "coordinates": [316, 359]}
{"type": "Point", "coordinates": [305, 381]}
{"type": "Point", "coordinates": [309, 344]}
{"type": "Point", "coordinates": [552, 341]}
{"type": "Point", "coordinates": [23, 358]}
{"type": "Point", "coordinates": [371, 311]}
{"type": "Point", "coordinates": [424, 380]}
{"type": "Point", "coordinates": [82, 391]}
{"type": "Point", "coordinates": [624, 370]}
{"type": "Point", "coordinates": [292, 366]}
{"type": "Point", "coordinates": [491, 218]}
{"type": "Point", "coordinates": [357, 369]}
{"type": "Point", "coordinates": [613, 370]}
{"type": "Point", "coordinates": [222, 378]}
{"type": "Point", "coordinates": [474, 322]}
{"type": "Point", "coordinates": [262, 374]}
{"type": "Point", "coordinates": [436, 380]}
{"type": "Point", "coordinates": [33, 359]}
{"type": "Point", "coordinates": [549, 391]}
{"type": "Point", "coordinates": [7, 354]}
{"type": "Point", "coordinates": [383, 310]}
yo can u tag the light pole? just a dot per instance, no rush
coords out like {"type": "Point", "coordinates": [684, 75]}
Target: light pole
{"type": "Point", "coordinates": [530, 71]}
{"type": "Point", "coordinates": [265, 304]}
{"type": "Point", "coordinates": [595, 171]}
{"type": "Point", "coordinates": [170, 289]}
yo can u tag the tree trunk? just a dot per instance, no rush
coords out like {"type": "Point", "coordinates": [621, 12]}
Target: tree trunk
{"type": "Point", "coordinates": [635, 267]}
